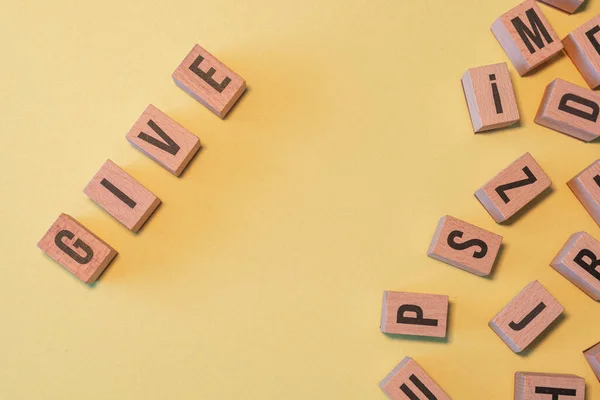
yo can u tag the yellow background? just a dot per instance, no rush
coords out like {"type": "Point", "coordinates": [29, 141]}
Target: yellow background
{"type": "Point", "coordinates": [261, 275]}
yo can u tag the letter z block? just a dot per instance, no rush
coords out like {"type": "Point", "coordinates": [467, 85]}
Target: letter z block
{"type": "Point", "coordinates": [76, 248]}
{"type": "Point", "coordinates": [569, 6]}
{"type": "Point", "coordinates": [526, 316]}
{"type": "Point", "coordinates": [417, 314]}
{"type": "Point", "coordinates": [592, 355]}
{"type": "Point", "coordinates": [534, 386]}
{"type": "Point", "coordinates": [583, 48]}
{"type": "Point", "coordinates": [586, 187]}
{"type": "Point", "coordinates": [526, 36]}
{"type": "Point", "coordinates": [408, 381]}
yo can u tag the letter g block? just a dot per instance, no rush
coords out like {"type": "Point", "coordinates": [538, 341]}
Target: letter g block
{"type": "Point", "coordinates": [416, 314]}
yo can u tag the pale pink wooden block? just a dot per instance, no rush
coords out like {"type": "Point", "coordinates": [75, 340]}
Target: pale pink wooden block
{"type": "Point", "coordinates": [569, 6]}
{"type": "Point", "coordinates": [586, 187]}
{"type": "Point", "coordinates": [418, 314]}
{"type": "Point", "coordinates": [409, 381]}
{"type": "Point", "coordinates": [592, 355]}
{"type": "Point", "coordinates": [583, 48]}
{"type": "Point", "coordinates": [542, 386]}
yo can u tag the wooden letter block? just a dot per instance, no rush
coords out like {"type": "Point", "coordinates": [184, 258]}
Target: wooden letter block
{"type": "Point", "coordinates": [408, 381]}
{"type": "Point", "coordinates": [536, 386]}
{"type": "Point", "coordinates": [586, 187]}
{"type": "Point", "coordinates": [163, 140]}
{"type": "Point", "coordinates": [465, 246]}
{"type": "Point", "coordinates": [121, 196]}
{"type": "Point", "coordinates": [578, 262]}
{"type": "Point", "coordinates": [570, 109]}
{"type": "Point", "coordinates": [513, 188]}
{"type": "Point", "coordinates": [526, 316]}
{"type": "Point", "coordinates": [583, 47]}
{"type": "Point", "coordinates": [592, 355]}
{"type": "Point", "coordinates": [569, 6]}
{"type": "Point", "coordinates": [77, 249]}
{"type": "Point", "coordinates": [209, 81]}
{"type": "Point", "coordinates": [526, 36]}
{"type": "Point", "coordinates": [490, 97]}
{"type": "Point", "coordinates": [414, 314]}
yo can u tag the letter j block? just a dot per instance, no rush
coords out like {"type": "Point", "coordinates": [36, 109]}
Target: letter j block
{"type": "Point", "coordinates": [417, 314]}
{"type": "Point", "coordinates": [586, 187]}
{"type": "Point", "coordinates": [408, 381]}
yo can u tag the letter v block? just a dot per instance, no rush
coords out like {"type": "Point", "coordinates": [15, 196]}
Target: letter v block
{"type": "Point", "coordinates": [526, 36]}
{"type": "Point", "coordinates": [526, 316]}
{"type": "Point", "coordinates": [76, 248]}
{"type": "Point", "coordinates": [586, 187]}
{"type": "Point", "coordinates": [417, 314]}
{"type": "Point", "coordinates": [570, 109]}
{"type": "Point", "coordinates": [592, 355]}
{"type": "Point", "coordinates": [583, 48]}
{"type": "Point", "coordinates": [534, 386]}
{"type": "Point", "coordinates": [408, 381]}
{"type": "Point", "coordinates": [513, 188]}
{"type": "Point", "coordinates": [163, 140]}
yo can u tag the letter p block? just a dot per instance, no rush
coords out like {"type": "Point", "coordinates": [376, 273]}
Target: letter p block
{"type": "Point", "coordinates": [416, 314]}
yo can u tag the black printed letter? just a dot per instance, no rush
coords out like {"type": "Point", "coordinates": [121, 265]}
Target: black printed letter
{"type": "Point", "coordinates": [517, 326]}
{"type": "Point", "coordinates": [170, 146]}
{"type": "Point", "coordinates": [469, 243]}
{"type": "Point", "coordinates": [207, 76]}
{"type": "Point", "coordinates": [555, 392]}
{"type": "Point", "coordinates": [496, 94]}
{"type": "Point", "coordinates": [591, 36]}
{"type": "Point", "coordinates": [526, 33]}
{"type": "Point", "coordinates": [591, 266]}
{"type": "Point", "coordinates": [420, 385]}
{"type": "Point", "coordinates": [120, 195]}
{"type": "Point", "coordinates": [79, 244]}
{"type": "Point", "coordinates": [417, 319]}
{"type": "Point", "coordinates": [513, 185]}
{"type": "Point", "coordinates": [592, 115]}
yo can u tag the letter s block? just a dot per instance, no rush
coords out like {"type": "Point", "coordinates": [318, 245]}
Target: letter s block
{"type": "Point", "coordinates": [526, 36]}
{"type": "Point", "coordinates": [77, 249]}
{"type": "Point", "coordinates": [534, 386]}
{"type": "Point", "coordinates": [586, 187]}
{"type": "Point", "coordinates": [408, 381]}
{"type": "Point", "coordinates": [570, 109]}
{"type": "Point", "coordinates": [417, 314]}
{"type": "Point", "coordinates": [592, 355]}
{"type": "Point", "coordinates": [583, 48]}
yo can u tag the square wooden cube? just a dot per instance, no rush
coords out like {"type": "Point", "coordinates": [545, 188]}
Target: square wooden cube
{"type": "Point", "coordinates": [578, 262]}
{"type": "Point", "coordinates": [526, 36]}
{"type": "Point", "coordinates": [408, 381]}
{"type": "Point", "coordinates": [209, 81]}
{"type": "Point", "coordinates": [163, 140]}
{"type": "Point", "coordinates": [76, 248]}
{"type": "Point", "coordinates": [570, 109]}
{"type": "Point", "coordinates": [583, 48]}
{"type": "Point", "coordinates": [490, 97]}
{"type": "Point", "coordinates": [586, 187]}
{"type": "Point", "coordinates": [417, 314]}
{"type": "Point", "coordinates": [121, 196]}
{"type": "Point", "coordinates": [513, 188]}
{"type": "Point", "coordinates": [541, 386]}
{"type": "Point", "coordinates": [592, 355]}
{"type": "Point", "coordinates": [465, 246]}
{"type": "Point", "coordinates": [569, 6]}
{"type": "Point", "coordinates": [526, 316]}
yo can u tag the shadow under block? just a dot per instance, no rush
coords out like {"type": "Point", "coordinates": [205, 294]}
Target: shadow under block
{"type": "Point", "coordinates": [163, 140]}
{"type": "Point", "coordinates": [570, 109]}
{"type": "Point", "coordinates": [121, 196]}
{"type": "Point", "coordinates": [526, 36]}
{"type": "Point", "coordinates": [526, 316]}
{"type": "Point", "coordinates": [417, 314]}
{"type": "Point", "coordinates": [408, 381]}
{"type": "Point", "coordinates": [209, 81]}
{"type": "Point", "coordinates": [513, 188]}
{"type": "Point", "coordinates": [586, 187]}
{"type": "Point", "coordinates": [465, 246]}
{"type": "Point", "coordinates": [583, 48]}
{"type": "Point", "coordinates": [569, 6]}
{"type": "Point", "coordinates": [578, 262]}
{"type": "Point", "coordinates": [77, 249]}
{"type": "Point", "coordinates": [490, 97]}
{"type": "Point", "coordinates": [539, 386]}
{"type": "Point", "coordinates": [592, 355]}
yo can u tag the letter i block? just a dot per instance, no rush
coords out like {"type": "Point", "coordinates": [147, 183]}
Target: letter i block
{"type": "Point", "coordinates": [586, 187]}
{"type": "Point", "coordinates": [569, 6]}
{"type": "Point", "coordinates": [534, 386]}
{"type": "Point", "coordinates": [526, 36]}
{"type": "Point", "coordinates": [121, 196]}
{"type": "Point", "coordinates": [465, 246]}
{"type": "Point", "coordinates": [513, 188]}
{"type": "Point", "coordinates": [209, 81]}
{"type": "Point", "coordinates": [578, 262]}
{"type": "Point", "coordinates": [583, 48]}
{"type": "Point", "coordinates": [592, 355]}
{"type": "Point", "coordinates": [490, 97]}
{"type": "Point", "coordinates": [76, 248]}
{"type": "Point", "coordinates": [417, 314]}
{"type": "Point", "coordinates": [570, 109]}
{"type": "Point", "coordinates": [408, 381]}
{"type": "Point", "coordinates": [526, 316]}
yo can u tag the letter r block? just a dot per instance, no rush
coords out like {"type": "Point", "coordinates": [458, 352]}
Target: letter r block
{"type": "Point", "coordinates": [526, 36]}
{"type": "Point", "coordinates": [583, 48]}
{"type": "Point", "coordinates": [534, 386]}
{"type": "Point", "coordinates": [417, 314]}
{"type": "Point", "coordinates": [592, 355]}
{"type": "Point", "coordinates": [408, 381]}
{"type": "Point", "coordinates": [586, 187]}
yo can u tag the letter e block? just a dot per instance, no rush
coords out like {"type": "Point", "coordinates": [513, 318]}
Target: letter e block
{"type": "Point", "coordinates": [408, 381]}
{"type": "Point", "coordinates": [526, 316]}
{"type": "Point", "coordinates": [568, 6]}
{"type": "Point", "coordinates": [534, 386]}
{"type": "Point", "coordinates": [586, 187]}
{"type": "Point", "coordinates": [583, 48]}
{"type": "Point", "coordinates": [417, 314]}
{"type": "Point", "coordinates": [592, 355]}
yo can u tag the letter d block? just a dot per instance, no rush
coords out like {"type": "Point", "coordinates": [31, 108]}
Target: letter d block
{"type": "Point", "coordinates": [526, 36]}
{"type": "Point", "coordinates": [408, 381]}
{"type": "Point", "coordinates": [583, 48]}
{"type": "Point", "coordinates": [77, 249]}
{"type": "Point", "coordinates": [592, 355]}
{"type": "Point", "coordinates": [534, 386]}
{"type": "Point", "coordinates": [586, 187]}
{"type": "Point", "coordinates": [417, 314]}
{"type": "Point", "coordinates": [526, 316]}
{"type": "Point", "coordinates": [570, 109]}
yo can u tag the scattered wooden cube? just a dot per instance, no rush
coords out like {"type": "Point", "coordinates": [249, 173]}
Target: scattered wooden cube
{"type": "Point", "coordinates": [578, 262]}
{"type": "Point", "coordinates": [583, 48]}
{"type": "Point", "coordinates": [526, 36]}
{"type": "Point", "coordinates": [526, 316]}
{"type": "Point", "coordinates": [534, 386]}
{"type": "Point", "coordinates": [513, 188]}
{"type": "Point", "coordinates": [414, 314]}
{"type": "Point", "coordinates": [569, 6]}
{"type": "Point", "coordinates": [586, 187]}
{"type": "Point", "coordinates": [209, 81]}
{"type": "Point", "coordinates": [121, 196]}
{"type": "Point", "coordinates": [592, 355]}
{"type": "Point", "coordinates": [570, 109]}
{"type": "Point", "coordinates": [408, 381]}
{"type": "Point", "coordinates": [490, 97]}
{"type": "Point", "coordinates": [465, 246]}
{"type": "Point", "coordinates": [163, 140]}
{"type": "Point", "coordinates": [76, 248]}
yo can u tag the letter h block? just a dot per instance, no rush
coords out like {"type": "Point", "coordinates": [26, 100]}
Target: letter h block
{"type": "Point", "coordinates": [416, 314]}
{"type": "Point", "coordinates": [408, 381]}
{"type": "Point", "coordinates": [534, 386]}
